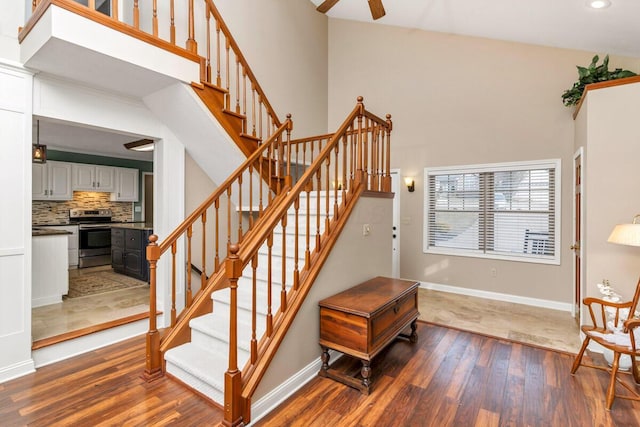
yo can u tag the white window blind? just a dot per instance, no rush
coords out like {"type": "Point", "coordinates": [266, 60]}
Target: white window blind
{"type": "Point", "coordinates": [507, 211]}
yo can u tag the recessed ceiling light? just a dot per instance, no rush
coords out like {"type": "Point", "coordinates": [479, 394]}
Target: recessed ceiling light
{"type": "Point", "coordinates": [598, 4]}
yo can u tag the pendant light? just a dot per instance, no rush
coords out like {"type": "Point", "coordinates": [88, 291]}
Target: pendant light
{"type": "Point", "coordinates": [38, 152]}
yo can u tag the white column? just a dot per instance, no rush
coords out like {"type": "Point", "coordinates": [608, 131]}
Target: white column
{"type": "Point", "coordinates": [15, 221]}
{"type": "Point", "coordinates": [168, 191]}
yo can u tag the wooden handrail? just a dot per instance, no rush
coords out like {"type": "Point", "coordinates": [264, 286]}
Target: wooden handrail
{"type": "Point", "coordinates": [358, 153]}
{"type": "Point", "coordinates": [253, 168]}
{"type": "Point", "coordinates": [333, 170]}
{"type": "Point", "coordinates": [234, 45]}
{"type": "Point", "coordinates": [255, 124]}
{"type": "Point", "coordinates": [255, 120]}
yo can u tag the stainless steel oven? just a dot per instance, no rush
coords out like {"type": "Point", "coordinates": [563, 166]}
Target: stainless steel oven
{"type": "Point", "coordinates": [94, 246]}
{"type": "Point", "coordinates": [94, 236]}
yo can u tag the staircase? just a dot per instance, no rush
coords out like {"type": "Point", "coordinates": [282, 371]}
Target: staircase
{"type": "Point", "coordinates": [202, 363]}
{"type": "Point", "coordinates": [261, 238]}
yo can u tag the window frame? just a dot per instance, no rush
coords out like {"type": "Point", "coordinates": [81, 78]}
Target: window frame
{"type": "Point", "coordinates": [555, 164]}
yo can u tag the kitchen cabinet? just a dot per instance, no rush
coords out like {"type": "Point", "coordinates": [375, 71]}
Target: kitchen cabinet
{"type": "Point", "coordinates": [72, 243]}
{"type": "Point", "coordinates": [51, 181]}
{"type": "Point", "coordinates": [50, 272]}
{"type": "Point", "coordinates": [128, 250]}
{"type": "Point", "coordinates": [126, 185]}
{"type": "Point", "coordinates": [93, 177]}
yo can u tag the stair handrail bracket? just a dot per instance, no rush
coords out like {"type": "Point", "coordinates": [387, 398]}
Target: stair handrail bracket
{"type": "Point", "coordinates": [308, 219]}
{"type": "Point", "coordinates": [217, 209]}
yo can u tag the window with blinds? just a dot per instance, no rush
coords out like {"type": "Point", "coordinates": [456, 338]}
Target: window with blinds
{"type": "Point", "coordinates": [506, 211]}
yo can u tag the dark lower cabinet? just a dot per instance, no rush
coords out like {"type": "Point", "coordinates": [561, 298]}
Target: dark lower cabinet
{"type": "Point", "coordinates": [128, 252]}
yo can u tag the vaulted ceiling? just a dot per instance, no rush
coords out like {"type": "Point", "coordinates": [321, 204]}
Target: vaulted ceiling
{"type": "Point", "coordinates": [559, 23]}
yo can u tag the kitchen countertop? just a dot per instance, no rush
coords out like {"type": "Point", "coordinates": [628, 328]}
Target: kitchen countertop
{"type": "Point", "coordinates": [37, 232]}
{"type": "Point", "coordinates": [133, 225]}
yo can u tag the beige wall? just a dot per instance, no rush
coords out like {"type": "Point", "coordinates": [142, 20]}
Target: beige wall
{"type": "Point", "coordinates": [608, 127]}
{"type": "Point", "coordinates": [285, 43]}
{"type": "Point", "coordinates": [198, 186]}
{"type": "Point", "coordinates": [461, 100]}
{"type": "Point", "coordinates": [367, 257]}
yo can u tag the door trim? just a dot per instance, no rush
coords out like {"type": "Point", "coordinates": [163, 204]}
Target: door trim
{"type": "Point", "coordinates": [578, 288]}
{"type": "Point", "coordinates": [396, 187]}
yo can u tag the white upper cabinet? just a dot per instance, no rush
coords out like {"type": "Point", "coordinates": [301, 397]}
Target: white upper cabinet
{"type": "Point", "coordinates": [126, 185]}
{"type": "Point", "coordinates": [93, 178]}
{"type": "Point", "coordinates": [51, 181]}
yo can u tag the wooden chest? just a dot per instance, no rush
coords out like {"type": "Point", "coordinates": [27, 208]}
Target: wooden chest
{"type": "Point", "coordinates": [363, 320]}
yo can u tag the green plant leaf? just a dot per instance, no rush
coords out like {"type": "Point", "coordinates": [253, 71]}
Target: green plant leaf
{"type": "Point", "coordinates": [592, 74]}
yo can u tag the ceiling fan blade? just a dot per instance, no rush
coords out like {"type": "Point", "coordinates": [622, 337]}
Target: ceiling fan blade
{"type": "Point", "coordinates": [326, 5]}
{"type": "Point", "coordinates": [377, 10]}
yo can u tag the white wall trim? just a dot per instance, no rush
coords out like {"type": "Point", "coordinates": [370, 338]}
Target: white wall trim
{"type": "Point", "coordinates": [535, 302]}
{"type": "Point", "coordinates": [17, 370]}
{"type": "Point", "coordinates": [279, 394]}
{"type": "Point", "coordinates": [67, 349]}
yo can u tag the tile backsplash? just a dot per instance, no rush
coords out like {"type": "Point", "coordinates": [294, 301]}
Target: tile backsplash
{"type": "Point", "coordinates": [57, 212]}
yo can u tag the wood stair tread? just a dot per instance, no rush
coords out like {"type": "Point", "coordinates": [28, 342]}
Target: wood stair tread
{"type": "Point", "coordinates": [234, 114]}
{"type": "Point", "coordinates": [251, 137]}
{"type": "Point", "coordinates": [214, 87]}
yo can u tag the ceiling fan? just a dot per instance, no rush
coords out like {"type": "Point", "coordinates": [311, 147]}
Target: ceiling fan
{"type": "Point", "coordinates": [377, 10]}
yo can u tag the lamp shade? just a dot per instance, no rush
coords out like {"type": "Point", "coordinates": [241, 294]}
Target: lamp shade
{"type": "Point", "coordinates": [626, 234]}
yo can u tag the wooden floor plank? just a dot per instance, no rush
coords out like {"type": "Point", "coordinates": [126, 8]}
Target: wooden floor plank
{"type": "Point", "coordinates": [102, 387]}
{"type": "Point", "coordinates": [490, 383]}
{"type": "Point", "coordinates": [472, 380]}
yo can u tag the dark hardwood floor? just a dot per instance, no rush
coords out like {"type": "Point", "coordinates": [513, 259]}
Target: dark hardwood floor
{"type": "Point", "coordinates": [448, 378]}
{"type": "Point", "coordinates": [456, 378]}
{"type": "Point", "coordinates": [102, 388]}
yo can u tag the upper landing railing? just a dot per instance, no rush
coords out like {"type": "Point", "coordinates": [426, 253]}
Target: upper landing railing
{"type": "Point", "coordinates": [192, 29]}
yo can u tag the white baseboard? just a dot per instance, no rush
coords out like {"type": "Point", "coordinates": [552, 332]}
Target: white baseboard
{"type": "Point", "coordinates": [67, 349]}
{"type": "Point", "coordinates": [279, 394]}
{"type": "Point", "coordinates": [535, 302]}
{"type": "Point", "coordinates": [17, 370]}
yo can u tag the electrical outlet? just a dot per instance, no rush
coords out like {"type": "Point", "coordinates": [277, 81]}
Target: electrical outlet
{"type": "Point", "coordinates": [366, 229]}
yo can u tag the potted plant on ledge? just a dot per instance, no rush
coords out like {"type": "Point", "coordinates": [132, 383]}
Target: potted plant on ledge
{"type": "Point", "coordinates": [592, 74]}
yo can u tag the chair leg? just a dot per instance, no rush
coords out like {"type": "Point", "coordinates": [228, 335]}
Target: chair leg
{"type": "Point", "coordinates": [611, 391]}
{"type": "Point", "coordinates": [578, 360]}
{"type": "Point", "coordinates": [635, 368]}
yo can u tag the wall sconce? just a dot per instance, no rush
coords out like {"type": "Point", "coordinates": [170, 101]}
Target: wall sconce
{"type": "Point", "coordinates": [410, 183]}
{"type": "Point", "coordinates": [38, 152]}
{"type": "Point", "coordinates": [140, 145]}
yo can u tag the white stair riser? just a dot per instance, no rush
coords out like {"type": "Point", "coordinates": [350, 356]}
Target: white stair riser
{"type": "Point", "coordinates": [212, 331]}
{"type": "Point", "coordinates": [245, 299]}
{"type": "Point", "coordinates": [202, 363]}
{"type": "Point", "coordinates": [213, 393]}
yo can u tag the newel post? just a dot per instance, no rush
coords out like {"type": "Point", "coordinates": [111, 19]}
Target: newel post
{"type": "Point", "coordinates": [288, 181]}
{"type": "Point", "coordinates": [386, 179]}
{"type": "Point", "coordinates": [233, 404]}
{"type": "Point", "coordinates": [153, 367]}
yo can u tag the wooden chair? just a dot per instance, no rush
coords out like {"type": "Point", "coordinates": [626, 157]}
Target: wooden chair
{"type": "Point", "coordinates": [599, 332]}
